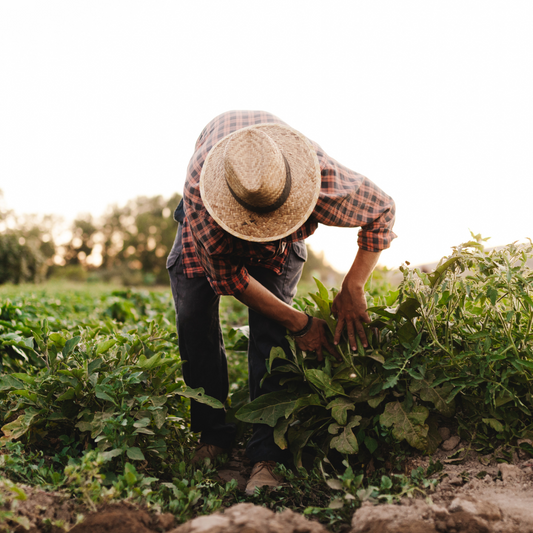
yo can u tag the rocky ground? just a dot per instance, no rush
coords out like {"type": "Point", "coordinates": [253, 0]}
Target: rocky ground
{"type": "Point", "coordinates": [475, 494]}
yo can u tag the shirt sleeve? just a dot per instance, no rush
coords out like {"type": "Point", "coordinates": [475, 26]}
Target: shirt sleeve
{"type": "Point", "coordinates": [225, 274]}
{"type": "Point", "coordinates": [224, 270]}
{"type": "Point", "coordinates": [349, 199]}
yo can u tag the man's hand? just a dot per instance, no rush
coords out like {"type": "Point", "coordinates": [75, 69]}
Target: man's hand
{"type": "Point", "coordinates": [349, 307]}
{"type": "Point", "coordinates": [263, 301]}
{"type": "Point", "coordinates": [315, 340]}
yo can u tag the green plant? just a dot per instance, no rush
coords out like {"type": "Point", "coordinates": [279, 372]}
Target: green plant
{"type": "Point", "coordinates": [455, 342]}
{"type": "Point", "coordinates": [117, 387]}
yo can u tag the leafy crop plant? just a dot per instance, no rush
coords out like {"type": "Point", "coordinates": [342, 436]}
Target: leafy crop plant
{"type": "Point", "coordinates": [454, 345]}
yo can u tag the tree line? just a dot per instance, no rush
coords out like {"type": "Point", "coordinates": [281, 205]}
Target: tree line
{"type": "Point", "coordinates": [129, 244]}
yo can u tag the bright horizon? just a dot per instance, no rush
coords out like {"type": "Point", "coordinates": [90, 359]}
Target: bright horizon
{"type": "Point", "coordinates": [101, 102]}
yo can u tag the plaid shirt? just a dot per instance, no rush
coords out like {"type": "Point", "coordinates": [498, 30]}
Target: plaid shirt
{"type": "Point", "coordinates": [346, 199]}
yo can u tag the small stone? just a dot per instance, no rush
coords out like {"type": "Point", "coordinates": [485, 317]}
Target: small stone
{"type": "Point", "coordinates": [456, 480]}
{"type": "Point", "coordinates": [528, 470]}
{"type": "Point", "coordinates": [440, 513]}
{"type": "Point", "coordinates": [451, 443]}
{"type": "Point", "coordinates": [477, 507]}
{"type": "Point", "coordinates": [166, 520]}
{"type": "Point", "coordinates": [487, 478]}
{"type": "Point", "coordinates": [462, 504]}
{"type": "Point", "coordinates": [445, 433]}
{"type": "Point", "coordinates": [509, 472]}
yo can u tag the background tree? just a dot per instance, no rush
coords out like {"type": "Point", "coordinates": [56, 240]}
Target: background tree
{"type": "Point", "coordinates": [27, 246]}
{"type": "Point", "coordinates": [84, 231]}
{"type": "Point", "coordinates": [138, 237]}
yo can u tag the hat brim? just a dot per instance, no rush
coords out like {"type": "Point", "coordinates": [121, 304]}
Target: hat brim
{"type": "Point", "coordinates": [251, 226]}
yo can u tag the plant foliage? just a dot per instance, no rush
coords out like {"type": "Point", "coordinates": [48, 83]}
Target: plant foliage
{"type": "Point", "coordinates": [456, 342]}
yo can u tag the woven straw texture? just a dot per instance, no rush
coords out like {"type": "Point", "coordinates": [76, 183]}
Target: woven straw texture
{"type": "Point", "coordinates": [251, 161]}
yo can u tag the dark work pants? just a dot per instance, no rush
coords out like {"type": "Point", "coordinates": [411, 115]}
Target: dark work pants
{"type": "Point", "coordinates": [203, 355]}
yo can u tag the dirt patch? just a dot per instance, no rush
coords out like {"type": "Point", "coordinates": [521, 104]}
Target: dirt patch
{"type": "Point", "coordinates": [121, 518]}
{"type": "Point", "coordinates": [35, 510]}
{"type": "Point", "coordinates": [249, 518]}
{"type": "Point", "coordinates": [475, 494]}
{"type": "Point", "coordinates": [237, 467]}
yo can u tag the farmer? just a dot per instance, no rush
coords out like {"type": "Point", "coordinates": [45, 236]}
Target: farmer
{"type": "Point", "coordinates": [255, 189]}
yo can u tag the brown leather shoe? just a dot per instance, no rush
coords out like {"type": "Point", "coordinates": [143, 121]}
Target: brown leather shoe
{"type": "Point", "coordinates": [263, 475]}
{"type": "Point", "coordinates": [206, 451]}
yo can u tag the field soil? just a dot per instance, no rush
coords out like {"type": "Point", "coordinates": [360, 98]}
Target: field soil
{"type": "Point", "coordinates": [475, 494]}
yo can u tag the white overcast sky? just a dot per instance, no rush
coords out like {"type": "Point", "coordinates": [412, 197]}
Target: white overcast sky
{"type": "Point", "coordinates": [102, 101]}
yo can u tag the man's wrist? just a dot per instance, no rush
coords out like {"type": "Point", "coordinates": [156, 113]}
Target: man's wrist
{"type": "Point", "coordinates": [353, 286]}
{"type": "Point", "coordinates": [298, 321]}
{"type": "Point", "coordinates": [305, 329]}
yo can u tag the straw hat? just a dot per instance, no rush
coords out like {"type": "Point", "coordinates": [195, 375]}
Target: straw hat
{"type": "Point", "coordinates": [261, 183]}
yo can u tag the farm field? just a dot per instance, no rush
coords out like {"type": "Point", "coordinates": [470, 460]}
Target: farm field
{"type": "Point", "coordinates": [435, 415]}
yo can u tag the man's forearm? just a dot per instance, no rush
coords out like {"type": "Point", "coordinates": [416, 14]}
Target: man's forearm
{"type": "Point", "coordinates": [363, 265]}
{"type": "Point", "coordinates": [260, 299]}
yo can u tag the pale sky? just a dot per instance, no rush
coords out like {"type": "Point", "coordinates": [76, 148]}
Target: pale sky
{"type": "Point", "coordinates": [102, 101]}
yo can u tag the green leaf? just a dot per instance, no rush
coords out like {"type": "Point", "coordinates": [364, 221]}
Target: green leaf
{"type": "Point", "coordinates": [407, 333]}
{"type": "Point", "coordinates": [339, 409]}
{"type": "Point", "coordinates": [149, 364]}
{"type": "Point", "coordinates": [377, 357]}
{"type": "Point", "coordinates": [374, 402]}
{"type": "Point", "coordinates": [409, 426]}
{"type": "Point", "coordinates": [84, 426]}
{"type": "Point", "coordinates": [67, 395]}
{"type": "Point", "coordinates": [135, 454]}
{"type": "Point", "coordinates": [333, 428]}
{"type": "Point", "coordinates": [158, 401]}
{"type": "Point", "coordinates": [104, 346]}
{"type": "Point", "coordinates": [160, 416]}
{"type": "Point", "coordinates": [142, 423]}
{"type": "Point", "coordinates": [494, 424]}
{"type": "Point", "coordinates": [26, 394]}
{"type": "Point", "coordinates": [107, 456]}
{"type": "Point", "coordinates": [280, 429]}
{"type": "Point", "coordinates": [268, 408]}
{"type": "Point", "coordinates": [324, 307]}
{"type": "Point", "coordinates": [21, 425]}
{"type": "Point", "coordinates": [392, 297]}
{"type": "Point", "coordinates": [275, 353]}
{"type": "Point", "coordinates": [409, 308]}
{"type": "Point", "coordinates": [521, 362]}
{"type": "Point", "coordinates": [386, 483]}
{"type": "Point", "coordinates": [440, 271]}
{"type": "Point", "coordinates": [200, 396]}
{"type": "Point", "coordinates": [492, 295]}
{"type": "Point", "coordinates": [437, 395]}
{"type": "Point", "coordinates": [100, 393]}
{"type": "Point", "coordinates": [336, 503]}
{"type": "Point", "coordinates": [346, 442]}
{"type": "Point", "coordinates": [70, 345]}
{"type": "Point", "coordinates": [30, 380]}
{"type": "Point", "coordinates": [323, 382]}
{"type": "Point", "coordinates": [322, 291]}
{"type": "Point", "coordinates": [8, 382]}
{"type": "Point", "coordinates": [94, 365]}
{"type": "Point", "coordinates": [334, 484]}
{"type": "Point", "coordinates": [371, 444]}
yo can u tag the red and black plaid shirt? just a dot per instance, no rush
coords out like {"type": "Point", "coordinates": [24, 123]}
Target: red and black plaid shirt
{"type": "Point", "coordinates": [346, 199]}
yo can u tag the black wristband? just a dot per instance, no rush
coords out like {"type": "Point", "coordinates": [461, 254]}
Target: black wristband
{"type": "Point", "coordinates": [305, 329]}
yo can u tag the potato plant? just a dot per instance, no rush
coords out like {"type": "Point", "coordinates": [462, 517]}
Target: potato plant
{"type": "Point", "coordinates": [453, 343]}
{"type": "Point", "coordinates": [114, 386]}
